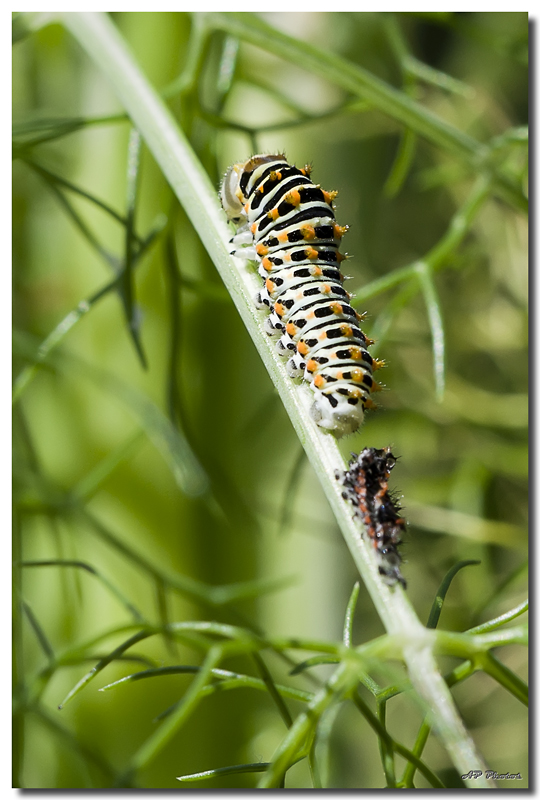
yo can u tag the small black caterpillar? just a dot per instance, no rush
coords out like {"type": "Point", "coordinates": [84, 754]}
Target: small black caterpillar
{"type": "Point", "coordinates": [286, 224]}
{"type": "Point", "coordinates": [366, 487]}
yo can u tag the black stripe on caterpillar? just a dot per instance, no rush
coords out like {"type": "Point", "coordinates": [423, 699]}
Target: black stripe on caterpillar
{"type": "Point", "coordinates": [286, 224]}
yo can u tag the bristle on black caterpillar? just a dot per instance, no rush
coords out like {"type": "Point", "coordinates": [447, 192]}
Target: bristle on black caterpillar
{"type": "Point", "coordinates": [365, 486]}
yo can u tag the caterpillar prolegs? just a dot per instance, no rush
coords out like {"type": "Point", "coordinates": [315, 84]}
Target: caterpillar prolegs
{"type": "Point", "coordinates": [286, 224]}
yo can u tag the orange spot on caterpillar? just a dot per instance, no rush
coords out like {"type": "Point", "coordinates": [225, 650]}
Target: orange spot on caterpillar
{"type": "Point", "coordinates": [279, 309]}
{"type": "Point", "coordinates": [308, 232]}
{"type": "Point", "coordinates": [340, 230]}
{"type": "Point", "coordinates": [311, 253]}
{"type": "Point", "coordinates": [301, 348]}
{"type": "Point", "coordinates": [291, 328]}
{"type": "Point", "coordinates": [261, 249]}
{"type": "Point", "coordinates": [326, 288]}
{"type": "Point", "coordinates": [377, 387]}
{"type": "Point", "coordinates": [311, 365]}
{"type": "Point", "coordinates": [270, 285]}
{"type": "Point", "coordinates": [274, 214]}
{"type": "Point", "coordinates": [319, 381]}
{"type": "Point", "coordinates": [282, 237]}
{"type": "Point", "coordinates": [357, 375]}
{"type": "Point", "coordinates": [368, 403]}
{"type": "Point", "coordinates": [346, 330]}
{"type": "Point", "coordinates": [293, 198]}
{"type": "Point", "coordinates": [267, 264]}
{"type": "Point", "coordinates": [378, 364]}
{"type": "Point", "coordinates": [337, 308]}
{"type": "Point", "coordinates": [315, 271]}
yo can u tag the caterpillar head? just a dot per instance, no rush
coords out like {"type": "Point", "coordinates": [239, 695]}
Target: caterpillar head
{"type": "Point", "coordinates": [234, 184]}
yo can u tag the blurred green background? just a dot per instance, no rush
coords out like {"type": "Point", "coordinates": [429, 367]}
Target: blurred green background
{"type": "Point", "coordinates": [86, 468]}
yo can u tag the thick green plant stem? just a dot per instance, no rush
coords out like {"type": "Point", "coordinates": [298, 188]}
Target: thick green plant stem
{"type": "Point", "coordinates": [169, 147]}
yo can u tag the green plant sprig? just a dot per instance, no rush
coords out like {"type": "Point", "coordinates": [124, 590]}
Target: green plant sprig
{"type": "Point", "coordinates": [99, 38]}
{"type": "Point", "coordinates": [407, 638]}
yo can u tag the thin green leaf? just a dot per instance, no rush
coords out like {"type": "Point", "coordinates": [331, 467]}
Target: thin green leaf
{"type": "Point", "coordinates": [212, 595]}
{"type": "Point", "coordinates": [322, 743]}
{"type": "Point", "coordinates": [157, 741]}
{"type": "Point", "coordinates": [521, 570]}
{"type": "Point", "coordinates": [349, 615]}
{"type": "Point", "coordinates": [272, 689]}
{"type": "Point", "coordinates": [126, 286]}
{"type": "Point", "coordinates": [438, 255]}
{"type": "Point", "coordinates": [386, 743]}
{"type": "Point", "coordinates": [38, 630]}
{"type": "Point", "coordinates": [26, 375]}
{"type": "Point", "coordinates": [434, 77]}
{"type": "Point", "coordinates": [442, 591]}
{"type": "Point", "coordinates": [227, 681]}
{"type": "Point", "coordinates": [53, 178]}
{"type": "Point", "coordinates": [383, 322]}
{"type": "Point", "coordinates": [227, 67]}
{"type": "Point", "coordinates": [164, 614]}
{"type": "Point", "coordinates": [246, 590]}
{"type": "Point", "coordinates": [93, 571]}
{"type": "Point", "coordinates": [315, 661]}
{"type": "Point", "coordinates": [195, 58]}
{"type": "Point", "coordinates": [436, 324]}
{"type": "Point", "coordinates": [290, 492]}
{"type": "Point", "coordinates": [73, 742]}
{"type": "Point", "coordinates": [260, 766]}
{"type": "Point", "coordinates": [499, 672]}
{"type": "Point", "coordinates": [492, 624]}
{"type": "Point", "coordinates": [392, 745]}
{"type": "Point", "coordinates": [87, 487]}
{"type": "Point", "coordinates": [172, 272]}
{"type": "Point", "coordinates": [90, 237]}
{"type": "Point", "coordinates": [85, 680]}
{"type": "Point", "coordinates": [48, 129]}
{"type": "Point", "coordinates": [402, 164]}
{"type": "Point", "coordinates": [410, 768]}
{"type": "Point", "coordinates": [467, 526]}
{"type": "Point", "coordinates": [189, 474]}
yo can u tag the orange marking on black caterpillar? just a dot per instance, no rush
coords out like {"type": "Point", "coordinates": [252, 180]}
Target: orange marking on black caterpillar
{"type": "Point", "coordinates": [308, 232]}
